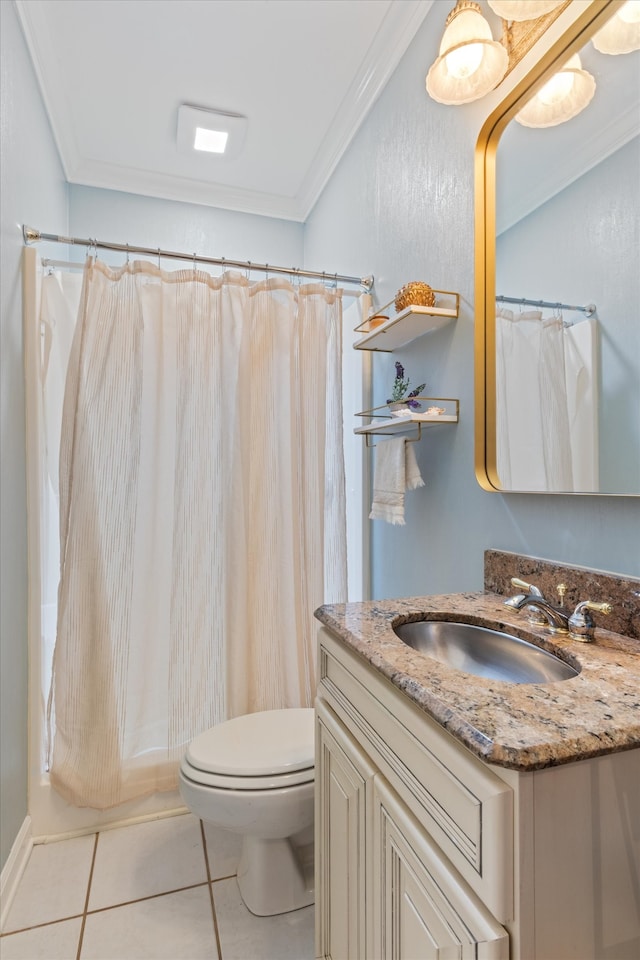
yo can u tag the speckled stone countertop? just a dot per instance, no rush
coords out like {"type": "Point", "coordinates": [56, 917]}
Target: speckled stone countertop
{"type": "Point", "coordinates": [524, 726]}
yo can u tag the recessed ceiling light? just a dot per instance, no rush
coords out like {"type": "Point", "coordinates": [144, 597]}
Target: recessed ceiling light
{"type": "Point", "coordinates": [212, 141]}
{"type": "Point", "coordinates": [212, 131]}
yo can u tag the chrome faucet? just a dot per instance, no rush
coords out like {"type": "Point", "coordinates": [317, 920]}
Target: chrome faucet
{"type": "Point", "coordinates": [556, 620]}
{"type": "Point", "coordinates": [535, 614]}
{"type": "Point", "coordinates": [580, 625]}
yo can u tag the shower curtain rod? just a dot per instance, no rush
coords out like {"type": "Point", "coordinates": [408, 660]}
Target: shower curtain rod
{"type": "Point", "coordinates": [31, 235]}
{"type": "Point", "coordinates": [589, 309]}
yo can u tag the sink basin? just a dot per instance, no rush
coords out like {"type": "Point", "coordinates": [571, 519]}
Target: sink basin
{"type": "Point", "coordinates": [484, 652]}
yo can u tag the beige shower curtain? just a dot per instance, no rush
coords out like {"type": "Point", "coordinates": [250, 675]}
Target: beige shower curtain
{"type": "Point", "coordinates": [202, 510]}
{"type": "Point", "coordinates": [546, 396]}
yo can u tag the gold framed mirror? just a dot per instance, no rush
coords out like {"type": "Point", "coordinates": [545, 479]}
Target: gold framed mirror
{"type": "Point", "coordinates": [533, 436]}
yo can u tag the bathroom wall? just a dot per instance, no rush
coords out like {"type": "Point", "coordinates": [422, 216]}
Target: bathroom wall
{"type": "Point", "coordinates": [172, 225]}
{"type": "Point", "coordinates": [32, 190]}
{"type": "Point", "coordinates": [569, 265]}
{"type": "Point", "coordinates": [401, 206]}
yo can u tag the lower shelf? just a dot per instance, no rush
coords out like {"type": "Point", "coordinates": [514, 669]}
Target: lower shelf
{"type": "Point", "coordinates": [412, 423]}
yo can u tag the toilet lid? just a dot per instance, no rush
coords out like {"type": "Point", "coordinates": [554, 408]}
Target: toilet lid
{"type": "Point", "coordinates": [264, 744]}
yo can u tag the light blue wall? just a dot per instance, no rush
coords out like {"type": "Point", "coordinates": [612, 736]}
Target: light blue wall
{"type": "Point", "coordinates": [583, 246]}
{"type": "Point", "coordinates": [32, 190]}
{"type": "Point", "coordinates": [146, 221]}
{"type": "Point", "coordinates": [400, 205]}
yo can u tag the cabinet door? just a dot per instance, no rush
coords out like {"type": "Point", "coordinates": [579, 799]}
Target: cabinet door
{"type": "Point", "coordinates": [343, 783]}
{"type": "Point", "coordinates": [422, 908]}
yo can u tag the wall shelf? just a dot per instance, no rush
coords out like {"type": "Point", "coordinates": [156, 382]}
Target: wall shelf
{"type": "Point", "coordinates": [409, 324]}
{"type": "Point", "coordinates": [412, 423]}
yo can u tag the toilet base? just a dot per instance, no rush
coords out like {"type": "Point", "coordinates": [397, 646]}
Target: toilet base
{"type": "Point", "coordinates": [276, 876]}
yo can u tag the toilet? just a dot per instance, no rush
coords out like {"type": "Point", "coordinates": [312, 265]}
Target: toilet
{"type": "Point", "coordinates": [254, 775]}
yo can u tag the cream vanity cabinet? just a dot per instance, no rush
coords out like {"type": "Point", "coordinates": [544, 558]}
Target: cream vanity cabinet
{"type": "Point", "coordinates": [424, 851]}
{"type": "Point", "coordinates": [396, 808]}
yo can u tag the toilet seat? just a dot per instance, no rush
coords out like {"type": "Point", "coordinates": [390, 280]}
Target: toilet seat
{"type": "Point", "coordinates": [257, 751]}
{"type": "Point", "coordinates": [222, 782]}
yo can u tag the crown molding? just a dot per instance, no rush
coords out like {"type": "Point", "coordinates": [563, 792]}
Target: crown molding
{"type": "Point", "coordinates": [570, 166]}
{"type": "Point", "coordinates": [108, 176]}
{"type": "Point", "coordinates": [390, 43]}
{"type": "Point", "coordinates": [33, 20]}
{"type": "Point", "coordinates": [398, 29]}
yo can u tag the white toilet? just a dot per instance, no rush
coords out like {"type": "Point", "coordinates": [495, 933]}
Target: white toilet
{"type": "Point", "coordinates": [254, 775]}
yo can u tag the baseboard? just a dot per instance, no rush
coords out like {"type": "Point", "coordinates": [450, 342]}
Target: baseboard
{"type": "Point", "coordinates": [14, 868]}
{"type": "Point", "coordinates": [110, 825]}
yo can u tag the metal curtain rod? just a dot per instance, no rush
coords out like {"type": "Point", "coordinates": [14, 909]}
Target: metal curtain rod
{"type": "Point", "coordinates": [31, 235]}
{"type": "Point", "coordinates": [589, 309]}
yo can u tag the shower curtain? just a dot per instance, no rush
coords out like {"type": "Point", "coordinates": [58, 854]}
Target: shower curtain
{"type": "Point", "coordinates": [546, 397]}
{"type": "Point", "coordinates": [202, 516]}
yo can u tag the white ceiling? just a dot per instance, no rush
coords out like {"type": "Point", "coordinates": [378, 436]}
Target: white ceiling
{"type": "Point", "coordinates": [305, 72]}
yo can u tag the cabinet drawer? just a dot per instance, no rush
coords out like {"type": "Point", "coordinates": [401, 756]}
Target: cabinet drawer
{"type": "Point", "coordinates": [466, 808]}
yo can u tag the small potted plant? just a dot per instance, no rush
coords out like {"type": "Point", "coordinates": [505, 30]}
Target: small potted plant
{"type": "Point", "coordinates": [400, 401]}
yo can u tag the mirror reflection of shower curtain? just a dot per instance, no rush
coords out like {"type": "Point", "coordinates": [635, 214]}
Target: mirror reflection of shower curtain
{"type": "Point", "coordinates": [546, 398]}
{"type": "Point", "coordinates": [202, 516]}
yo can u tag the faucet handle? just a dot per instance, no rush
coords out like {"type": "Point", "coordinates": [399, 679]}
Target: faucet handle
{"type": "Point", "coordinates": [581, 623]}
{"type": "Point", "coordinates": [527, 587]}
{"type": "Point", "coordinates": [598, 607]}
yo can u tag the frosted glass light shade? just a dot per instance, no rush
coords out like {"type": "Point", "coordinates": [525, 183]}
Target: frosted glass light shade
{"type": "Point", "coordinates": [562, 97]}
{"type": "Point", "coordinates": [523, 9]}
{"type": "Point", "coordinates": [470, 61]}
{"type": "Point", "coordinates": [621, 34]}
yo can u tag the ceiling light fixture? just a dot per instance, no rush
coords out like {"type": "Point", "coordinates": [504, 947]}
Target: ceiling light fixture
{"type": "Point", "coordinates": [562, 97]}
{"type": "Point", "coordinates": [210, 131]}
{"type": "Point", "coordinates": [520, 10]}
{"type": "Point", "coordinates": [621, 34]}
{"type": "Point", "coordinates": [470, 61]}
{"type": "Point", "coordinates": [211, 141]}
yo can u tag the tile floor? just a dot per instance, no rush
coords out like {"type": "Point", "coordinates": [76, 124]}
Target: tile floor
{"type": "Point", "coordinates": [161, 890]}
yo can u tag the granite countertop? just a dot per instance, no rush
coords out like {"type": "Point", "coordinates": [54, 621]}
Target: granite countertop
{"type": "Point", "coordinates": [524, 726]}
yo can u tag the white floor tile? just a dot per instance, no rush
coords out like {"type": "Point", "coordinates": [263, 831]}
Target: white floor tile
{"type": "Point", "coordinates": [243, 936]}
{"type": "Point", "coordinates": [223, 849]}
{"type": "Point", "coordinates": [54, 883]}
{"type": "Point", "coordinates": [56, 941]}
{"type": "Point", "coordinates": [145, 859]}
{"type": "Point", "coordinates": [178, 926]}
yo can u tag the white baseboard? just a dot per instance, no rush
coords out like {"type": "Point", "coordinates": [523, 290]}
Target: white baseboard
{"type": "Point", "coordinates": [14, 868]}
{"type": "Point", "coordinates": [109, 825]}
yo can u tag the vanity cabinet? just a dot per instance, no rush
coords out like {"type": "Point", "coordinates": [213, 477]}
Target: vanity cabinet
{"type": "Point", "coordinates": [344, 778]}
{"type": "Point", "coordinates": [425, 851]}
{"type": "Point", "coordinates": [384, 887]}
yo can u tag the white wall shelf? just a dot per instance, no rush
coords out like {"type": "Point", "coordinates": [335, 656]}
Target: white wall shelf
{"type": "Point", "coordinates": [409, 324]}
{"type": "Point", "coordinates": [412, 423]}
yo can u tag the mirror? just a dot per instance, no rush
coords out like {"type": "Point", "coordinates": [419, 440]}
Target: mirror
{"type": "Point", "coordinates": [558, 389]}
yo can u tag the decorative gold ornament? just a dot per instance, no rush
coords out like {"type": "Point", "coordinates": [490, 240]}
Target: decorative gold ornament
{"type": "Point", "coordinates": [414, 294]}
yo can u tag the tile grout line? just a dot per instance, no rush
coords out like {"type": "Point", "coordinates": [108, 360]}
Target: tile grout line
{"type": "Point", "coordinates": [38, 926]}
{"type": "Point", "coordinates": [150, 896]}
{"type": "Point", "coordinates": [112, 906]}
{"type": "Point", "coordinates": [86, 900]}
{"type": "Point", "coordinates": [210, 885]}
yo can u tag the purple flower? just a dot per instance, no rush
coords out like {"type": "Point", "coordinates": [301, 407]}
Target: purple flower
{"type": "Point", "coordinates": [412, 403]}
{"type": "Point", "coordinates": [399, 371]}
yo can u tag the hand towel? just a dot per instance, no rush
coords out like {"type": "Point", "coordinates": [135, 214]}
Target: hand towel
{"type": "Point", "coordinates": [396, 470]}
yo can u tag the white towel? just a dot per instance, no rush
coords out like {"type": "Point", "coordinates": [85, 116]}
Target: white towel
{"type": "Point", "coordinates": [396, 470]}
